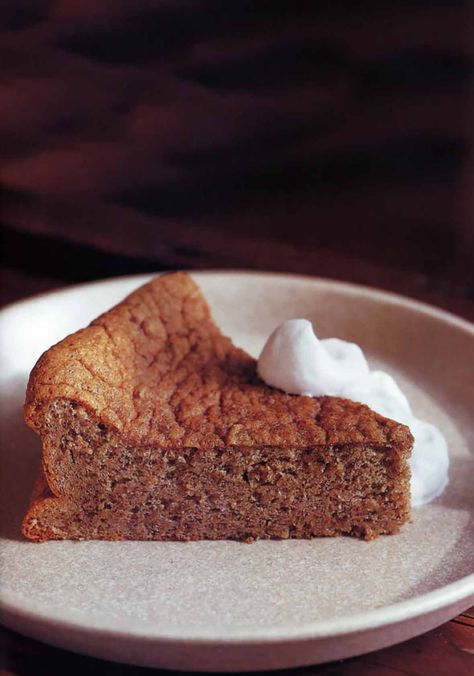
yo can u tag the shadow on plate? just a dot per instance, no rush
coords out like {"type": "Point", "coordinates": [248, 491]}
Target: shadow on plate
{"type": "Point", "coordinates": [20, 455]}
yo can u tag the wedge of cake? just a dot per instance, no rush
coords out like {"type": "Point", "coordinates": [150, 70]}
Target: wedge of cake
{"type": "Point", "coordinates": [155, 426]}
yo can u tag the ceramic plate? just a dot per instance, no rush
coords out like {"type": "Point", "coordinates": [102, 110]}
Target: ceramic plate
{"type": "Point", "coordinates": [226, 605]}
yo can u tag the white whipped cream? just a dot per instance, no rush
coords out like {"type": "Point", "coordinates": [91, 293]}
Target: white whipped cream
{"type": "Point", "coordinates": [294, 360]}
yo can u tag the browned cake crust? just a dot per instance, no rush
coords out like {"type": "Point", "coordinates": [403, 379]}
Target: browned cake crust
{"type": "Point", "coordinates": [155, 426]}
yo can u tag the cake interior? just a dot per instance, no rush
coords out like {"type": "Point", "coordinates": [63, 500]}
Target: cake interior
{"type": "Point", "coordinates": [103, 488]}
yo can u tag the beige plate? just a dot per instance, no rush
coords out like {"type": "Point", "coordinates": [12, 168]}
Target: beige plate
{"type": "Point", "coordinates": [231, 606]}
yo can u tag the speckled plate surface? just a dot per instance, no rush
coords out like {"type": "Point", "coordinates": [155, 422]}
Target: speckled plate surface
{"type": "Point", "coordinates": [231, 606]}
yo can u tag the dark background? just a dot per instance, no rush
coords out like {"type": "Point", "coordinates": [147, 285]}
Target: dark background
{"type": "Point", "coordinates": [327, 138]}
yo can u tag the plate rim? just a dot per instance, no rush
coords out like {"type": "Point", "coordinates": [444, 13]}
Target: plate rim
{"type": "Point", "coordinates": [341, 285]}
{"type": "Point", "coordinates": [344, 625]}
{"type": "Point", "coordinates": [400, 611]}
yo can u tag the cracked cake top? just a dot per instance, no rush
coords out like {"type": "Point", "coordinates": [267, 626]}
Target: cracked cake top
{"type": "Point", "coordinates": [157, 370]}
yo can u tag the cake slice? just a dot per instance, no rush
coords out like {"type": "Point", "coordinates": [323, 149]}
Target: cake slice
{"type": "Point", "coordinates": [155, 426]}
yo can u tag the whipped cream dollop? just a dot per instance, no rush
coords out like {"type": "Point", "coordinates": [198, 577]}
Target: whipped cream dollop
{"type": "Point", "coordinates": [296, 361]}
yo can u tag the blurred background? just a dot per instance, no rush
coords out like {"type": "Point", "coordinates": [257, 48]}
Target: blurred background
{"type": "Point", "coordinates": [324, 138]}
